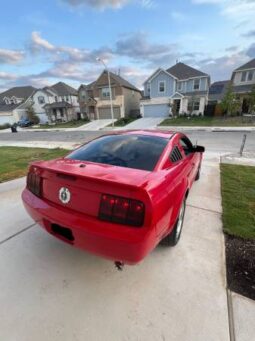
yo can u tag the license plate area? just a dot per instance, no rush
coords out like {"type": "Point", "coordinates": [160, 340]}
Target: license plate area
{"type": "Point", "coordinates": [63, 233]}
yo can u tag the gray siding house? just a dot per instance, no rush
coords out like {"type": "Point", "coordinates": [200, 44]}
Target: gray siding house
{"type": "Point", "coordinates": [178, 90]}
{"type": "Point", "coordinates": [243, 81]}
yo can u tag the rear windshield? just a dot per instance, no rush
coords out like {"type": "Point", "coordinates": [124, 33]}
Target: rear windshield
{"type": "Point", "coordinates": [131, 151]}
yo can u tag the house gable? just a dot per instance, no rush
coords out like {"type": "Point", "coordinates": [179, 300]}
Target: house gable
{"type": "Point", "coordinates": [165, 78]}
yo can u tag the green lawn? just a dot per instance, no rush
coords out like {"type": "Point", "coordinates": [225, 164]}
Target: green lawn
{"type": "Point", "coordinates": [238, 200]}
{"type": "Point", "coordinates": [71, 124]}
{"type": "Point", "coordinates": [15, 160]}
{"type": "Point", "coordinates": [123, 122]}
{"type": "Point", "coordinates": [208, 121]}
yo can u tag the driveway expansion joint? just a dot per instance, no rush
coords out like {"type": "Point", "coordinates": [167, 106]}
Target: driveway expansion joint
{"type": "Point", "coordinates": [230, 316]}
{"type": "Point", "coordinates": [204, 209]}
{"type": "Point", "coordinates": [16, 234]}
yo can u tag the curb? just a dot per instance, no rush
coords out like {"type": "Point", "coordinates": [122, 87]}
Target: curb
{"type": "Point", "coordinates": [210, 129]}
{"type": "Point", "coordinates": [40, 144]}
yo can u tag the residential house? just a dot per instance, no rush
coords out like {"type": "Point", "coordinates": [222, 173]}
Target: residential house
{"type": "Point", "coordinates": [217, 91]}
{"type": "Point", "coordinates": [94, 98]}
{"type": "Point", "coordinates": [178, 90]}
{"type": "Point", "coordinates": [58, 102]}
{"type": "Point", "coordinates": [14, 103]}
{"type": "Point", "coordinates": [243, 80]}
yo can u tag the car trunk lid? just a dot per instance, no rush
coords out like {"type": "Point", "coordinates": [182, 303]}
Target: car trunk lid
{"type": "Point", "coordinates": [85, 182]}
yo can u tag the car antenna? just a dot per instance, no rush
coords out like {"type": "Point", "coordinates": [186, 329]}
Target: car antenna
{"type": "Point", "coordinates": [119, 266]}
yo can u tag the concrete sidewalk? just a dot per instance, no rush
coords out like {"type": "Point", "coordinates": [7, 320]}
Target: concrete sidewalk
{"type": "Point", "coordinates": [51, 291]}
{"type": "Point", "coordinates": [41, 144]}
{"type": "Point", "coordinates": [210, 129]}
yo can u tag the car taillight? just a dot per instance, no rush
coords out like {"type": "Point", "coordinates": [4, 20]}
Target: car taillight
{"type": "Point", "coordinates": [121, 210]}
{"type": "Point", "coordinates": [34, 183]}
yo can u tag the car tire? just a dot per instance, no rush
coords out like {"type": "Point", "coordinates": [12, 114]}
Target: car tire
{"type": "Point", "coordinates": [198, 173]}
{"type": "Point", "coordinates": [173, 238]}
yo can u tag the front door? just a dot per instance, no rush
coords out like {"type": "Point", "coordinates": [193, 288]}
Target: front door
{"type": "Point", "coordinates": [245, 106]}
{"type": "Point", "coordinates": [177, 106]}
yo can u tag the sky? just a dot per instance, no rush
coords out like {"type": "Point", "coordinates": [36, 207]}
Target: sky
{"type": "Point", "coordinates": [43, 42]}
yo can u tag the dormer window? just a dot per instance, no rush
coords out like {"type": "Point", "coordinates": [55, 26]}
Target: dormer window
{"type": "Point", "coordinates": [247, 76]}
{"type": "Point", "coordinates": [196, 84]}
{"type": "Point", "coordinates": [250, 76]}
{"type": "Point", "coordinates": [243, 78]}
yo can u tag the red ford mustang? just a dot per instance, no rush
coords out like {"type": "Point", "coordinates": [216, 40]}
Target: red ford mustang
{"type": "Point", "coordinates": [117, 196]}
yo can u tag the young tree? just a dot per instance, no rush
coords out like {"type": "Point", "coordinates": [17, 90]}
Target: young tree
{"type": "Point", "coordinates": [31, 115]}
{"type": "Point", "coordinates": [251, 101]}
{"type": "Point", "coordinates": [230, 104]}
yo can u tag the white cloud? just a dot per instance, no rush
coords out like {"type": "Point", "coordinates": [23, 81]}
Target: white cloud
{"type": "Point", "coordinates": [71, 54]}
{"type": "Point", "coordinates": [11, 56]}
{"type": "Point", "coordinates": [235, 9]}
{"type": "Point", "coordinates": [37, 43]}
{"type": "Point", "coordinates": [7, 76]}
{"type": "Point", "coordinates": [99, 4]}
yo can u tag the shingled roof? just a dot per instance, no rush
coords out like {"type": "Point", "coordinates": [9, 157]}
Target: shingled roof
{"type": "Point", "coordinates": [62, 89]}
{"type": "Point", "coordinates": [218, 89]}
{"type": "Point", "coordinates": [183, 71]}
{"type": "Point", "coordinates": [19, 92]}
{"type": "Point", "coordinates": [123, 82]}
{"type": "Point", "coordinates": [249, 65]}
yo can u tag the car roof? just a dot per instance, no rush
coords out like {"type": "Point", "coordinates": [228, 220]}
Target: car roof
{"type": "Point", "coordinates": [159, 133]}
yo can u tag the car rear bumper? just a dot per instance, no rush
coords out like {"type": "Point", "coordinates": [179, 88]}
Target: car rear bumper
{"type": "Point", "coordinates": [112, 241]}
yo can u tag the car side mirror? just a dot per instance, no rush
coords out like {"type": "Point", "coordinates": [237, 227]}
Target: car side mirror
{"type": "Point", "coordinates": [199, 149]}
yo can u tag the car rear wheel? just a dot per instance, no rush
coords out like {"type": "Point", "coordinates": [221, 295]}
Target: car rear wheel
{"type": "Point", "coordinates": [173, 238]}
{"type": "Point", "coordinates": [198, 173]}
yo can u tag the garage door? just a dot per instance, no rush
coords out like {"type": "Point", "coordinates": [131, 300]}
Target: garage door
{"type": "Point", "coordinates": [6, 119]}
{"type": "Point", "coordinates": [156, 110]}
{"type": "Point", "coordinates": [105, 113]}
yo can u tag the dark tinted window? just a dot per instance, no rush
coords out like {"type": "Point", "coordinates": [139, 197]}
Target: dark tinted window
{"type": "Point", "coordinates": [186, 145]}
{"type": "Point", "coordinates": [131, 151]}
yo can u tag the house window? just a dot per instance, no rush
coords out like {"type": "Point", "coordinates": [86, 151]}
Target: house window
{"type": "Point", "coordinates": [41, 100]}
{"type": "Point", "coordinates": [250, 76]}
{"type": "Point", "coordinates": [149, 89]}
{"type": "Point", "coordinates": [162, 86]}
{"type": "Point", "coordinates": [179, 87]}
{"type": "Point", "coordinates": [243, 78]}
{"type": "Point", "coordinates": [56, 98]}
{"type": "Point", "coordinates": [196, 105]}
{"type": "Point", "coordinates": [63, 98]}
{"type": "Point", "coordinates": [105, 93]}
{"type": "Point", "coordinates": [67, 98]}
{"type": "Point", "coordinates": [196, 84]}
{"type": "Point", "coordinates": [83, 95]}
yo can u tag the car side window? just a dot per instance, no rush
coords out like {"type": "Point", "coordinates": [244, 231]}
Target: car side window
{"type": "Point", "coordinates": [186, 145]}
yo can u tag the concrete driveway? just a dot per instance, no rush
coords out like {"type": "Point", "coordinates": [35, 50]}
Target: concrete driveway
{"type": "Point", "coordinates": [143, 123]}
{"type": "Point", "coordinates": [51, 291]}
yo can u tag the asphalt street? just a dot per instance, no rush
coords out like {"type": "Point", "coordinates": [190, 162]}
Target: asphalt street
{"type": "Point", "coordinates": [225, 142]}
